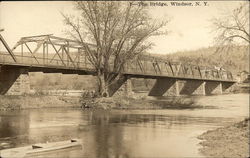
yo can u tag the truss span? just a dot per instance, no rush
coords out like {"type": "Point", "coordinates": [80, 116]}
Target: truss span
{"type": "Point", "coordinates": [48, 53]}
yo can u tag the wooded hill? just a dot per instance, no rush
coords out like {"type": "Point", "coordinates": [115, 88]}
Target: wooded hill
{"type": "Point", "coordinates": [234, 58]}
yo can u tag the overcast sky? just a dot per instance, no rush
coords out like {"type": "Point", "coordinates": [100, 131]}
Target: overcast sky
{"type": "Point", "coordinates": [189, 28]}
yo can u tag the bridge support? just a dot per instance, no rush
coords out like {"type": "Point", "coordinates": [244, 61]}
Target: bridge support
{"type": "Point", "coordinates": [166, 87]}
{"type": "Point", "coordinates": [227, 87]}
{"type": "Point", "coordinates": [123, 84]}
{"type": "Point", "coordinates": [190, 87]}
{"type": "Point", "coordinates": [212, 87]}
{"type": "Point", "coordinates": [125, 89]}
{"type": "Point", "coordinates": [14, 81]}
{"type": "Point", "coordinates": [174, 87]}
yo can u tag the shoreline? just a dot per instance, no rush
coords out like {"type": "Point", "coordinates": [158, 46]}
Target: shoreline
{"type": "Point", "coordinates": [10, 103]}
{"type": "Point", "coordinates": [131, 102]}
{"type": "Point", "coordinates": [229, 141]}
{"type": "Point", "coordinates": [135, 102]}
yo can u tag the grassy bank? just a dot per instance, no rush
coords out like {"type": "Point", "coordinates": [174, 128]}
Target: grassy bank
{"type": "Point", "coordinates": [140, 102]}
{"type": "Point", "coordinates": [33, 101]}
{"type": "Point", "coordinates": [230, 141]}
{"type": "Point", "coordinates": [117, 102]}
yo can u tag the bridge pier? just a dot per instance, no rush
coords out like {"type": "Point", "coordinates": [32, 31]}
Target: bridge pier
{"type": "Point", "coordinates": [227, 87]}
{"type": "Point", "coordinates": [191, 87]}
{"type": "Point", "coordinates": [115, 86]}
{"type": "Point", "coordinates": [172, 87]}
{"type": "Point", "coordinates": [166, 87]}
{"type": "Point", "coordinates": [125, 89]}
{"type": "Point", "coordinates": [212, 87]}
{"type": "Point", "coordinates": [14, 81]}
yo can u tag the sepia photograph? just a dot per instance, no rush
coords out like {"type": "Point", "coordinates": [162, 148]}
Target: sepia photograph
{"type": "Point", "coordinates": [124, 79]}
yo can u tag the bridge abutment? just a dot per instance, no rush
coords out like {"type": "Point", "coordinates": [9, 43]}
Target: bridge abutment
{"type": "Point", "coordinates": [14, 81]}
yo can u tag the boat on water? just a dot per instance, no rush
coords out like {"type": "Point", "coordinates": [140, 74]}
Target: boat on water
{"type": "Point", "coordinates": [42, 149]}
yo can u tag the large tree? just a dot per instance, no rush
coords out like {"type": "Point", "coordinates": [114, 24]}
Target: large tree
{"type": "Point", "coordinates": [118, 31]}
{"type": "Point", "coordinates": [233, 27]}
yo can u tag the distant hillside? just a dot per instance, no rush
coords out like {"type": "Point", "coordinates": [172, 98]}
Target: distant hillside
{"type": "Point", "coordinates": [234, 59]}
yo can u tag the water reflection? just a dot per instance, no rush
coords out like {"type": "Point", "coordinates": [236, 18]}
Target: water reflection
{"type": "Point", "coordinates": [118, 133]}
{"type": "Point", "coordinates": [13, 124]}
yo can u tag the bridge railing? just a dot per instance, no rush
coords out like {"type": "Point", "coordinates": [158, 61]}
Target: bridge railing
{"type": "Point", "coordinates": [134, 67]}
{"type": "Point", "coordinates": [42, 62]}
{"type": "Point", "coordinates": [172, 69]}
{"type": "Point", "coordinates": [55, 52]}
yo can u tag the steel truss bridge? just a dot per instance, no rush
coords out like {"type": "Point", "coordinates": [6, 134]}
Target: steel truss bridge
{"type": "Point", "coordinates": [50, 54]}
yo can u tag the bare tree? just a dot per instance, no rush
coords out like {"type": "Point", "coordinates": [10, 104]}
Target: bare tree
{"type": "Point", "coordinates": [118, 30]}
{"type": "Point", "coordinates": [233, 27]}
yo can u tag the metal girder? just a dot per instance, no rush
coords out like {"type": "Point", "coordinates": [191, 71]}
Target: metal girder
{"type": "Point", "coordinates": [46, 35]}
{"type": "Point", "coordinates": [55, 55]}
{"type": "Point", "coordinates": [67, 52]}
{"type": "Point", "coordinates": [7, 47]}
{"type": "Point", "coordinates": [52, 39]}
{"type": "Point", "coordinates": [31, 53]}
{"type": "Point", "coordinates": [57, 52]}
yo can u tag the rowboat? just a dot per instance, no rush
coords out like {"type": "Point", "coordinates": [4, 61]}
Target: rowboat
{"type": "Point", "coordinates": [42, 149]}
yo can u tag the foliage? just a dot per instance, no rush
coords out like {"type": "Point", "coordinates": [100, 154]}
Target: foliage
{"type": "Point", "coordinates": [40, 81]}
{"type": "Point", "coordinates": [235, 59]}
{"type": "Point", "coordinates": [118, 32]}
{"type": "Point", "coordinates": [233, 27]}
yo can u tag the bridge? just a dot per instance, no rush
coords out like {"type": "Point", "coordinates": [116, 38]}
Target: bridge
{"type": "Point", "coordinates": [50, 54]}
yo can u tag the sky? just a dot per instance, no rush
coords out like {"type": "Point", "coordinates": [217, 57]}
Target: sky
{"type": "Point", "coordinates": [189, 28]}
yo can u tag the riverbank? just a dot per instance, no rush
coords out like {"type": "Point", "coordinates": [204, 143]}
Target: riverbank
{"type": "Point", "coordinates": [36, 102]}
{"type": "Point", "coordinates": [134, 101]}
{"type": "Point", "coordinates": [230, 141]}
{"type": "Point", "coordinates": [139, 101]}
{"type": "Point", "coordinates": [117, 102]}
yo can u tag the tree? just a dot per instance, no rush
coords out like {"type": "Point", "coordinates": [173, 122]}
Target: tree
{"type": "Point", "coordinates": [118, 31]}
{"type": "Point", "coordinates": [233, 27]}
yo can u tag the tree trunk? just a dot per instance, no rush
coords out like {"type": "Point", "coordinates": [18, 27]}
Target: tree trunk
{"type": "Point", "coordinates": [102, 85]}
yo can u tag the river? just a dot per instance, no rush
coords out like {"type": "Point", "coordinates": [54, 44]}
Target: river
{"type": "Point", "coordinates": [124, 133]}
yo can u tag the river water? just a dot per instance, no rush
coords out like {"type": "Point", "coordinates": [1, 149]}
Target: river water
{"type": "Point", "coordinates": [124, 133]}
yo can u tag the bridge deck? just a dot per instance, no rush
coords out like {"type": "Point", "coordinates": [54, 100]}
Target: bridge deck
{"type": "Point", "coordinates": [63, 57]}
{"type": "Point", "coordinates": [87, 69]}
